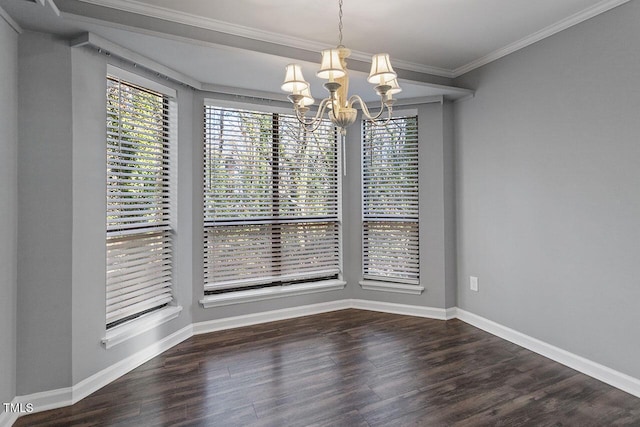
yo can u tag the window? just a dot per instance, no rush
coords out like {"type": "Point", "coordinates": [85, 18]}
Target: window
{"type": "Point", "coordinates": [390, 229]}
{"type": "Point", "coordinates": [271, 202]}
{"type": "Point", "coordinates": [138, 218]}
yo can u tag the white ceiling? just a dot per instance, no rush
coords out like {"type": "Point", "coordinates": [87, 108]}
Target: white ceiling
{"type": "Point", "coordinates": [247, 43]}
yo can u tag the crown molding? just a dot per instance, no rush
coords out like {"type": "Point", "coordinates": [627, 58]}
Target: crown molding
{"type": "Point", "coordinates": [179, 17]}
{"type": "Point", "coordinates": [112, 49]}
{"type": "Point", "coordinates": [412, 66]}
{"type": "Point", "coordinates": [159, 12]}
{"type": "Point", "coordinates": [561, 25]}
{"type": "Point", "coordinates": [184, 18]}
{"type": "Point", "coordinates": [9, 20]}
{"type": "Point", "coordinates": [53, 6]}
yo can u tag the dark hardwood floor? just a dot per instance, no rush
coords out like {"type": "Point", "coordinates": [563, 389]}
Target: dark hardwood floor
{"type": "Point", "coordinates": [350, 368]}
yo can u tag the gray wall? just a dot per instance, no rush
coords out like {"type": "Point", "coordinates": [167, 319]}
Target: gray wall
{"type": "Point", "coordinates": [45, 220]}
{"type": "Point", "coordinates": [8, 208]}
{"type": "Point", "coordinates": [548, 190]}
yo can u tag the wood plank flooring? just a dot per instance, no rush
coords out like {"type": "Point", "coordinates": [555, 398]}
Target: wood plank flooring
{"type": "Point", "coordinates": [350, 368]}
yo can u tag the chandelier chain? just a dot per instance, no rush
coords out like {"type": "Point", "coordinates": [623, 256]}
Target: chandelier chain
{"type": "Point", "coordinates": [340, 24]}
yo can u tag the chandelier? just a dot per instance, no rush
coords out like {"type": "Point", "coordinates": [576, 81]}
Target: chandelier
{"type": "Point", "coordinates": [338, 105]}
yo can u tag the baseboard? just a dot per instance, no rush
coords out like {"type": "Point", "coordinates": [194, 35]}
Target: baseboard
{"type": "Point", "coordinates": [42, 401]}
{"type": "Point", "coordinates": [58, 398]}
{"type": "Point", "coordinates": [308, 310]}
{"type": "Point", "coordinates": [8, 418]}
{"type": "Point", "coordinates": [268, 316]}
{"type": "Point", "coordinates": [600, 372]}
{"type": "Point", "coordinates": [405, 309]}
{"type": "Point", "coordinates": [98, 380]}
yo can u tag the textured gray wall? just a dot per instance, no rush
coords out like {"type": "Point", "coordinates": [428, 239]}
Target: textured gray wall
{"type": "Point", "coordinates": [89, 251]}
{"type": "Point", "coordinates": [45, 220]}
{"type": "Point", "coordinates": [8, 208]}
{"type": "Point", "coordinates": [548, 190]}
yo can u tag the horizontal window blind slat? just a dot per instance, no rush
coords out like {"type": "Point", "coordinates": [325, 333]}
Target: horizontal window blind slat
{"type": "Point", "coordinates": [123, 289]}
{"type": "Point", "coordinates": [142, 172]}
{"type": "Point", "coordinates": [132, 274]}
{"type": "Point", "coordinates": [163, 277]}
{"type": "Point", "coordinates": [131, 261]}
{"type": "Point", "coordinates": [138, 263]}
{"type": "Point", "coordinates": [244, 283]}
{"type": "Point", "coordinates": [115, 314]}
{"type": "Point", "coordinates": [137, 294]}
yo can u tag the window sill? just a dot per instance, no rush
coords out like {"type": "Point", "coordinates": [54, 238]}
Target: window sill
{"type": "Point", "coordinates": [140, 325]}
{"type": "Point", "coordinates": [253, 295]}
{"type": "Point", "coordinates": [372, 285]}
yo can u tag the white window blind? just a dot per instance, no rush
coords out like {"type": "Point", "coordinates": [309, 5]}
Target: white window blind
{"type": "Point", "coordinates": [138, 202]}
{"type": "Point", "coordinates": [390, 233]}
{"type": "Point", "coordinates": [271, 210]}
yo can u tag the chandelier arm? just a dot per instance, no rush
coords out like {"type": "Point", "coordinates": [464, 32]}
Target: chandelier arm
{"type": "Point", "coordinates": [365, 109]}
{"type": "Point", "coordinates": [389, 116]}
{"type": "Point", "coordinates": [311, 125]}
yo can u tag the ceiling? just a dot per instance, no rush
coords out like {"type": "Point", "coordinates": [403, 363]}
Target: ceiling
{"type": "Point", "coordinates": [247, 43]}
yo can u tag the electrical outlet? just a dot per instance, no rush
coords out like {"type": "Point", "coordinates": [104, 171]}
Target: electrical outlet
{"type": "Point", "coordinates": [473, 283]}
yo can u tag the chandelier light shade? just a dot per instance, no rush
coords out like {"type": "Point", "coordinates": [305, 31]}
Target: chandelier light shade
{"type": "Point", "coordinates": [294, 82]}
{"type": "Point", "coordinates": [338, 105]}
{"type": "Point", "coordinates": [381, 70]}
{"type": "Point", "coordinates": [307, 98]}
{"type": "Point", "coordinates": [395, 87]}
{"type": "Point", "coordinates": [331, 66]}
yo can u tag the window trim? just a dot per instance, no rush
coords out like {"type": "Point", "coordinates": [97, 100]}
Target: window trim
{"type": "Point", "coordinates": [141, 81]}
{"type": "Point", "coordinates": [134, 327]}
{"type": "Point", "coordinates": [401, 288]}
{"type": "Point", "coordinates": [253, 295]}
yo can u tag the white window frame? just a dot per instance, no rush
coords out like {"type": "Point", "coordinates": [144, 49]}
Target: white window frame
{"type": "Point", "coordinates": [266, 293]}
{"type": "Point", "coordinates": [145, 322]}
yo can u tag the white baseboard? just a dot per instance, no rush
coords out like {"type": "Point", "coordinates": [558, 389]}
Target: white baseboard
{"type": "Point", "coordinates": [46, 400]}
{"type": "Point", "coordinates": [407, 310]}
{"type": "Point", "coordinates": [58, 398]}
{"type": "Point", "coordinates": [98, 380]}
{"type": "Point", "coordinates": [600, 372]}
{"type": "Point", "coordinates": [268, 316]}
{"type": "Point", "coordinates": [42, 401]}
{"type": "Point", "coordinates": [67, 396]}
{"type": "Point", "coordinates": [8, 418]}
